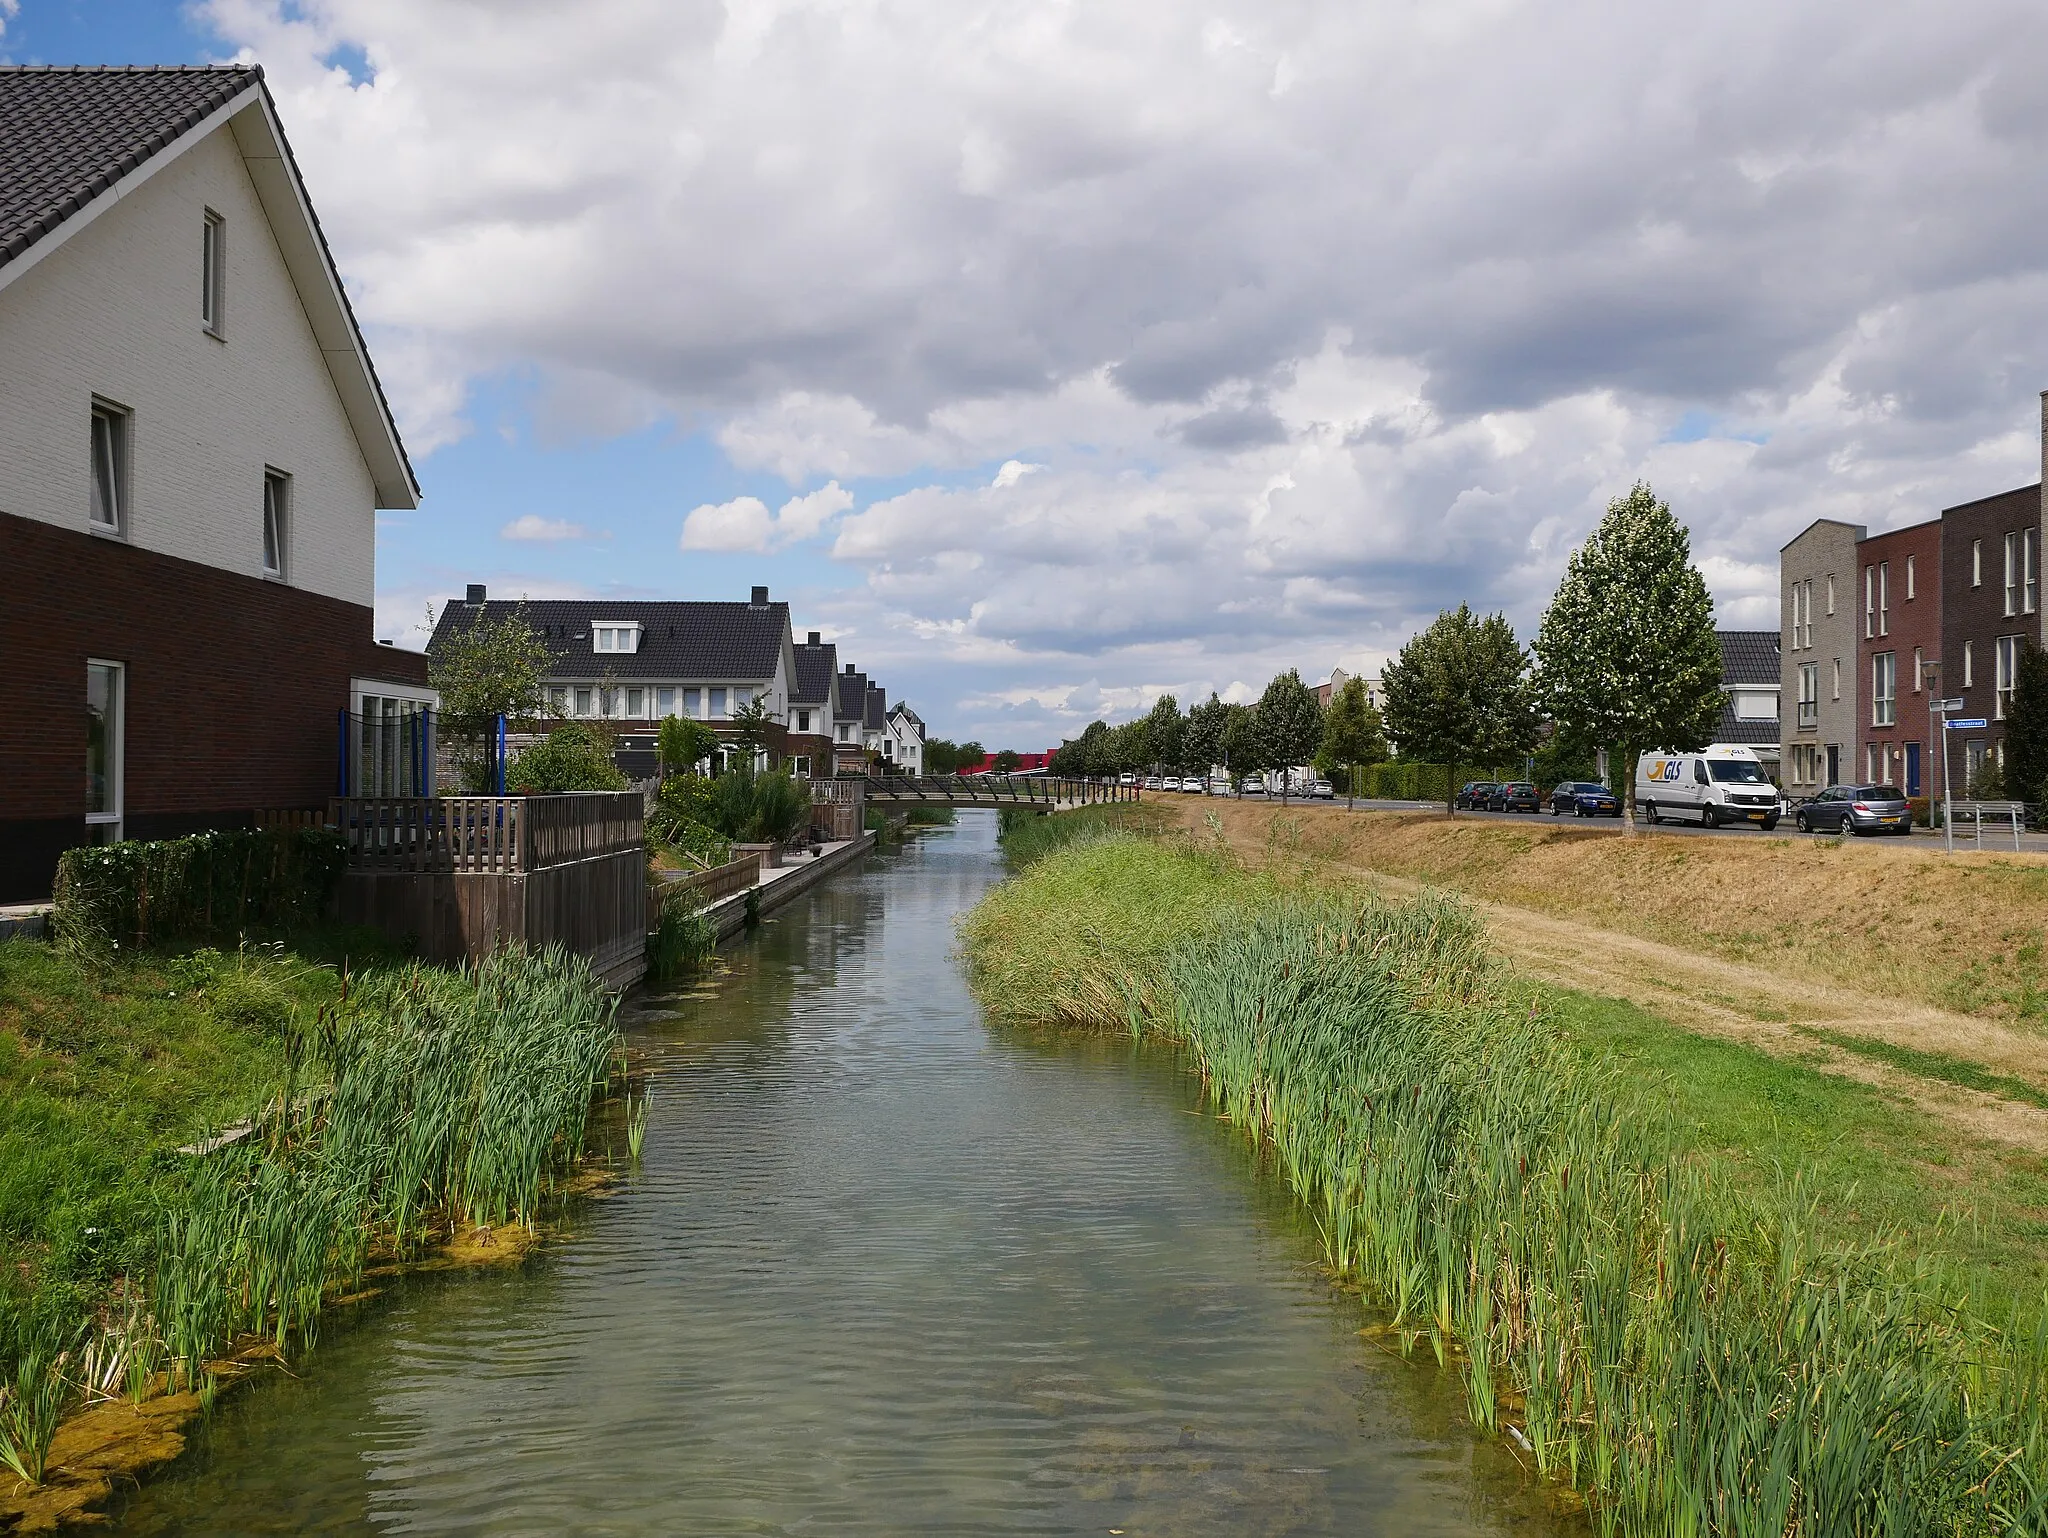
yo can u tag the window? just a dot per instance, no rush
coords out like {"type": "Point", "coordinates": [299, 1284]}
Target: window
{"type": "Point", "coordinates": [1884, 597]}
{"type": "Point", "coordinates": [2008, 662]}
{"type": "Point", "coordinates": [558, 701]}
{"type": "Point", "coordinates": [636, 703]}
{"type": "Point", "coordinates": [693, 704]}
{"type": "Point", "coordinates": [2012, 573]}
{"type": "Point", "coordinates": [1976, 563]}
{"type": "Point", "coordinates": [103, 747]}
{"type": "Point", "coordinates": [1873, 763]}
{"type": "Point", "coordinates": [1869, 602]}
{"type": "Point", "coordinates": [2029, 574]}
{"type": "Point", "coordinates": [582, 702]}
{"type": "Point", "coordinates": [110, 424]}
{"type": "Point", "coordinates": [1969, 663]}
{"type": "Point", "coordinates": [213, 274]}
{"type": "Point", "coordinates": [664, 702]}
{"type": "Point", "coordinates": [1831, 594]}
{"type": "Point", "coordinates": [800, 766]}
{"type": "Point", "coordinates": [1838, 679]}
{"type": "Point", "coordinates": [717, 704]}
{"type": "Point", "coordinates": [1809, 693]}
{"type": "Point", "coordinates": [615, 638]}
{"type": "Point", "coordinates": [1911, 562]}
{"type": "Point", "coordinates": [1919, 669]}
{"type": "Point", "coordinates": [803, 720]}
{"type": "Point", "coordinates": [277, 489]}
{"type": "Point", "coordinates": [1884, 684]}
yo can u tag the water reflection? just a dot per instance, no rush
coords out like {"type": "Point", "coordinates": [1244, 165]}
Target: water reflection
{"type": "Point", "coordinates": [883, 1271]}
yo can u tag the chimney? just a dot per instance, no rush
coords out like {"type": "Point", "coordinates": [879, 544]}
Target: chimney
{"type": "Point", "coordinates": [849, 670]}
{"type": "Point", "coordinates": [815, 639]}
{"type": "Point", "coordinates": [476, 592]}
{"type": "Point", "coordinates": [760, 595]}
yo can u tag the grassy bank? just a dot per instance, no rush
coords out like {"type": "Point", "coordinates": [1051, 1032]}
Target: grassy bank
{"type": "Point", "coordinates": [374, 1111]}
{"type": "Point", "coordinates": [1668, 1323]}
{"type": "Point", "coordinates": [1898, 918]}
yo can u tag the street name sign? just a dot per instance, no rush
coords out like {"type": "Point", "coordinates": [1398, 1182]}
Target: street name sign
{"type": "Point", "coordinates": [1972, 724]}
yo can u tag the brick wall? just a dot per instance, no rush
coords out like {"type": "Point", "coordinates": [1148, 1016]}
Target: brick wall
{"type": "Point", "coordinates": [1911, 626]}
{"type": "Point", "coordinates": [233, 684]}
{"type": "Point", "coordinates": [1973, 612]}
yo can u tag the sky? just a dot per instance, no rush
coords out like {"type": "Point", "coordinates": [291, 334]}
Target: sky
{"type": "Point", "coordinates": [1049, 356]}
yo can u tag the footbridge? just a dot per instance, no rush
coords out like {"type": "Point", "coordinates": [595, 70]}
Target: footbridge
{"type": "Point", "coordinates": [1029, 792]}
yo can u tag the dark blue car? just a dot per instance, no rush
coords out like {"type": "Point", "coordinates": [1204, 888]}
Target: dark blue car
{"type": "Point", "coordinates": [1582, 798]}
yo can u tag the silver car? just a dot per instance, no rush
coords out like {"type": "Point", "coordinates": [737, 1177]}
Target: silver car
{"type": "Point", "coordinates": [1856, 809]}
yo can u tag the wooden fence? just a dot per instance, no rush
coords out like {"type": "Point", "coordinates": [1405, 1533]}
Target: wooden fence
{"type": "Point", "coordinates": [465, 874]}
{"type": "Point", "coordinates": [707, 886]}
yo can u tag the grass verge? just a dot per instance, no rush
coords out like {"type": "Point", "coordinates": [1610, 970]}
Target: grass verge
{"type": "Point", "coordinates": [1689, 1343]}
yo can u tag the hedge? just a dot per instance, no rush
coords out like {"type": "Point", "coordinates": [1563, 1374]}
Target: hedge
{"type": "Point", "coordinates": [1406, 781]}
{"type": "Point", "coordinates": [203, 887]}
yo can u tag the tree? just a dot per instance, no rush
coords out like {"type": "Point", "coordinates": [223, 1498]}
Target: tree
{"type": "Point", "coordinates": [1201, 741]}
{"type": "Point", "coordinates": [1353, 733]}
{"type": "Point", "coordinates": [971, 754]}
{"type": "Point", "coordinates": [1288, 724]}
{"type": "Point", "coordinates": [1007, 761]}
{"type": "Point", "coordinates": [1457, 695]}
{"type": "Point", "coordinates": [572, 757]}
{"type": "Point", "coordinates": [752, 729]}
{"type": "Point", "coordinates": [1080, 757]}
{"type": "Point", "coordinates": [484, 670]}
{"type": "Point", "coordinates": [941, 755]}
{"type": "Point", "coordinates": [1165, 729]}
{"type": "Point", "coordinates": [1626, 655]}
{"type": "Point", "coordinates": [1242, 750]}
{"type": "Point", "coordinates": [2026, 728]}
{"type": "Point", "coordinates": [682, 744]}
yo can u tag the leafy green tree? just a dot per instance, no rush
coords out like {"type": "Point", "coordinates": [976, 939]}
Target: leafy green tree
{"type": "Point", "coordinates": [572, 757]}
{"type": "Point", "coordinates": [1560, 758]}
{"type": "Point", "coordinates": [1626, 656]}
{"type": "Point", "coordinates": [491, 668]}
{"type": "Point", "coordinates": [1353, 734]}
{"type": "Point", "coordinates": [941, 755]}
{"type": "Point", "coordinates": [682, 744]}
{"type": "Point", "coordinates": [1007, 761]}
{"type": "Point", "coordinates": [2026, 727]}
{"type": "Point", "coordinates": [971, 754]}
{"type": "Point", "coordinates": [1201, 743]}
{"type": "Point", "coordinates": [1458, 695]}
{"type": "Point", "coordinates": [753, 728]}
{"type": "Point", "coordinates": [1243, 751]}
{"type": "Point", "coordinates": [1079, 757]}
{"type": "Point", "coordinates": [1288, 723]}
{"type": "Point", "coordinates": [1165, 730]}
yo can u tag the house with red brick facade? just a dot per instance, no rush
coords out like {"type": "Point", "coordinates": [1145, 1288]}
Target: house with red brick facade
{"type": "Point", "coordinates": [1898, 654]}
{"type": "Point", "coordinates": [193, 450]}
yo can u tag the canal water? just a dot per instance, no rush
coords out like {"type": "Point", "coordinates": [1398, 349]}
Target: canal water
{"type": "Point", "coordinates": [883, 1270]}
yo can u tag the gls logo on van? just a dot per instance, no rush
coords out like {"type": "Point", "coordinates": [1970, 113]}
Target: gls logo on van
{"type": "Point", "coordinates": [1666, 772]}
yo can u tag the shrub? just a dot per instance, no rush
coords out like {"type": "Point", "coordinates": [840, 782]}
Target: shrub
{"type": "Point", "coordinates": [573, 757]}
{"type": "Point", "coordinates": [682, 940]}
{"type": "Point", "coordinates": [205, 886]}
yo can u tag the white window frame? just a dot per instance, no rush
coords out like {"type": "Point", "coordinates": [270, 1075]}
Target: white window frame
{"type": "Point", "coordinates": [117, 756]}
{"type": "Point", "coordinates": [1831, 595]}
{"type": "Point", "coordinates": [2012, 574]}
{"type": "Point", "coordinates": [636, 701]}
{"type": "Point", "coordinates": [109, 472]}
{"type": "Point", "coordinates": [2006, 674]}
{"type": "Point", "coordinates": [665, 701]}
{"type": "Point", "coordinates": [277, 523]}
{"type": "Point", "coordinates": [1838, 679]}
{"type": "Point", "coordinates": [1919, 668]}
{"type": "Point", "coordinates": [619, 638]}
{"type": "Point", "coordinates": [1809, 694]}
{"type": "Point", "coordinates": [582, 697]}
{"type": "Point", "coordinates": [1884, 598]}
{"type": "Point", "coordinates": [1976, 563]}
{"type": "Point", "coordinates": [2029, 570]}
{"type": "Point", "coordinates": [1869, 602]}
{"type": "Point", "coordinates": [213, 276]}
{"type": "Point", "coordinates": [1912, 561]}
{"type": "Point", "coordinates": [1969, 663]}
{"type": "Point", "coordinates": [1884, 689]}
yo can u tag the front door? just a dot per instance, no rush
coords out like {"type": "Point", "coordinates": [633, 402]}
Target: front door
{"type": "Point", "coordinates": [1912, 768]}
{"type": "Point", "coordinates": [1834, 764]}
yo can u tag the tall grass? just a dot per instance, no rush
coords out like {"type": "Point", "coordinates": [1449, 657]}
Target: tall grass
{"type": "Point", "coordinates": [1695, 1364]}
{"type": "Point", "coordinates": [682, 941]}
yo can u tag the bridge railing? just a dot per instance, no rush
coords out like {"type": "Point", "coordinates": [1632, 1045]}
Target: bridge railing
{"type": "Point", "coordinates": [997, 790]}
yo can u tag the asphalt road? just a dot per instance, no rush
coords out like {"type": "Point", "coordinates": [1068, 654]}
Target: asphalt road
{"type": "Point", "coordinates": [1995, 838]}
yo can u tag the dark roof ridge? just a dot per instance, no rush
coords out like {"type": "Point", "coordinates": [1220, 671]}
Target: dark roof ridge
{"type": "Point", "coordinates": [2016, 491]}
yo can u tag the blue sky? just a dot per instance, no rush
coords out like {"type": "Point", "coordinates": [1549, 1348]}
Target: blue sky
{"type": "Point", "coordinates": [1050, 358]}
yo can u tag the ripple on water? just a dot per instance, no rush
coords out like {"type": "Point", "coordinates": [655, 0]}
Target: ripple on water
{"type": "Point", "coordinates": [882, 1271]}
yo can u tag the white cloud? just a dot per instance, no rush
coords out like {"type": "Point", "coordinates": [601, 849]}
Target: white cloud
{"type": "Point", "coordinates": [1317, 317]}
{"type": "Point", "coordinates": [531, 526]}
{"type": "Point", "coordinates": [745, 524]}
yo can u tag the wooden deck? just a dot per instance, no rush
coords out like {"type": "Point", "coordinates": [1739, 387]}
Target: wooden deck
{"type": "Point", "coordinates": [463, 875]}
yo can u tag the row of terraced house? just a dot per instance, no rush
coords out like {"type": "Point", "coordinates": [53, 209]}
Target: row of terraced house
{"type": "Point", "coordinates": [1876, 629]}
{"type": "Point", "coordinates": [631, 663]}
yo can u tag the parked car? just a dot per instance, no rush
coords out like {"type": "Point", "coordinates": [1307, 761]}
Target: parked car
{"type": "Point", "coordinates": [1475, 794]}
{"type": "Point", "coordinates": [1127, 779]}
{"type": "Point", "coordinates": [1251, 785]}
{"type": "Point", "coordinates": [1323, 790]}
{"type": "Point", "coordinates": [1514, 796]}
{"type": "Point", "coordinates": [1194, 784]}
{"type": "Point", "coordinates": [1856, 809]}
{"type": "Point", "coordinates": [1723, 783]}
{"type": "Point", "coordinates": [1219, 785]}
{"type": "Point", "coordinates": [1584, 798]}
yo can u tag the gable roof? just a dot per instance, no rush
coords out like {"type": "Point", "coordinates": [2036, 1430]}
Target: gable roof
{"type": "Point", "coordinates": [680, 641]}
{"type": "Point", "coordinates": [1749, 657]}
{"type": "Point", "coordinates": [815, 666]}
{"type": "Point", "coordinates": [877, 715]}
{"type": "Point", "coordinates": [853, 695]}
{"type": "Point", "coordinates": [909, 715]}
{"type": "Point", "coordinates": [75, 140]}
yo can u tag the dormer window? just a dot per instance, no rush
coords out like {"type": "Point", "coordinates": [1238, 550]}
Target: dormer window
{"type": "Point", "coordinates": [615, 638]}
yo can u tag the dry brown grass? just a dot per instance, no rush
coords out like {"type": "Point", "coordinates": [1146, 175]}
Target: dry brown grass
{"type": "Point", "coordinates": [1899, 967]}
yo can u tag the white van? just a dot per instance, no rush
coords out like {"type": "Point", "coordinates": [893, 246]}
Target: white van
{"type": "Point", "coordinates": [1725, 783]}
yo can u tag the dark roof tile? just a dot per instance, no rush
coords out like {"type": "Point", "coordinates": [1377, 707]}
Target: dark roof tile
{"type": "Point", "coordinates": [1749, 656]}
{"type": "Point", "coordinates": [68, 134]}
{"type": "Point", "coordinates": [815, 666]}
{"type": "Point", "coordinates": [853, 695]}
{"type": "Point", "coordinates": [877, 708]}
{"type": "Point", "coordinates": [707, 640]}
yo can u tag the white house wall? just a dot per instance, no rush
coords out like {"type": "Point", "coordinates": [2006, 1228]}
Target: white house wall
{"type": "Point", "coordinates": [115, 313]}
